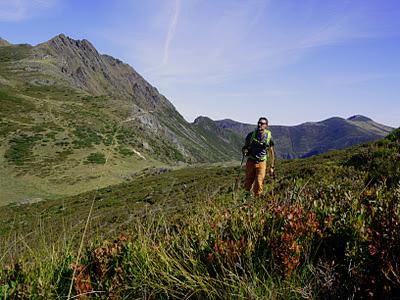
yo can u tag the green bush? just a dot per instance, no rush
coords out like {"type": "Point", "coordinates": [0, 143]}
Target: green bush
{"type": "Point", "coordinates": [394, 136]}
{"type": "Point", "coordinates": [86, 137]}
{"type": "Point", "coordinates": [125, 151]}
{"type": "Point", "coordinates": [20, 150]}
{"type": "Point", "coordinates": [96, 158]}
{"type": "Point", "coordinates": [10, 104]}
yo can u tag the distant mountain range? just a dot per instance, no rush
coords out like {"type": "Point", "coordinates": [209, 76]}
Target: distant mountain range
{"type": "Point", "coordinates": [73, 119]}
{"type": "Point", "coordinates": [309, 138]}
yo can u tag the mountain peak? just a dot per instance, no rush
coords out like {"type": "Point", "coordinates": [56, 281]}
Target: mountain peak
{"type": "Point", "coordinates": [60, 37]}
{"type": "Point", "coordinates": [202, 119]}
{"type": "Point", "coordinates": [359, 118]}
{"type": "Point", "coordinates": [62, 41]}
{"type": "Point", "coordinates": [230, 121]}
{"type": "Point", "coordinates": [3, 42]}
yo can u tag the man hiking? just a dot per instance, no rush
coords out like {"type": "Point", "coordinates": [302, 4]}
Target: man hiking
{"type": "Point", "coordinates": [257, 143]}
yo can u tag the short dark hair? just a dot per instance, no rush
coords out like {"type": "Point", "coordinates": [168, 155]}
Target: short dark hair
{"type": "Point", "coordinates": [263, 119]}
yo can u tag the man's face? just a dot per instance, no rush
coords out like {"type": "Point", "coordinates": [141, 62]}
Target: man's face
{"type": "Point", "coordinates": [262, 124]}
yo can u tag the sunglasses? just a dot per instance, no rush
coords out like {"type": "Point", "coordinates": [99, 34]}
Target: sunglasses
{"type": "Point", "coordinates": [262, 123]}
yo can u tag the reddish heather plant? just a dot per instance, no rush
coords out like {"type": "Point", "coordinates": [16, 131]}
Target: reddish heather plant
{"type": "Point", "coordinates": [298, 228]}
{"type": "Point", "coordinates": [103, 256]}
{"type": "Point", "coordinates": [228, 251]}
{"type": "Point", "coordinates": [82, 283]}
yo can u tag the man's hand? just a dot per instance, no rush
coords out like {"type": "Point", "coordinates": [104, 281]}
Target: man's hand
{"type": "Point", "coordinates": [272, 172]}
{"type": "Point", "coordinates": [245, 151]}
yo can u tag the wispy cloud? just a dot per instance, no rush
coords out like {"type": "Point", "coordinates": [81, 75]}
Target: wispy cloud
{"type": "Point", "coordinates": [239, 39]}
{"type": "Point", "coordinates": [194, 50]}
{"type": "Point", "coordinates": [207, 47]}
{"type": "Point", "coordinates": [352, 79]}
{"type": "Point", "coordinates": [171, 31]}
{"type": "Point", "coordinates": [256, 94]}
{"type": "Point", "coordinates": [19, 10]}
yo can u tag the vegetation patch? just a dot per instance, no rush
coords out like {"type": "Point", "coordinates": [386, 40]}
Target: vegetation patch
{"type": "Point", "coordinates": [125, 151]}
{"type": "Point", "coordinates": [58, 93]}
{"type": "Point", "coordinates": [86, 137]}
{"type": "Point", "coordinates": [20, 149]}
{"type": "Point", "coordinates": [96, 158]}
{"type": "Point", "coordinates": [10, 104]}
{"type": "Point", "coordinates": [14, 52]}
{"type": "Point", "coordinates": [7, 127]}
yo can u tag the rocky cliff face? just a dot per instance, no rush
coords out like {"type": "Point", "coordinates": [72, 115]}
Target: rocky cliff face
{"type": "Point", "coordinates": [81, 64]}
{"type": "Point", "coordinates": [3, 42]}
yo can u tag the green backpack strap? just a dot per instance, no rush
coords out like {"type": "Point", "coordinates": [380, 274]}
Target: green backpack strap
{"type": "Point", "coordinates": [267, 140]}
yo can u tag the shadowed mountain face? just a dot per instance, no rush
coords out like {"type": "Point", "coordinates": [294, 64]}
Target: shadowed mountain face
{"type": "Point", "coordinates": [313, 138]}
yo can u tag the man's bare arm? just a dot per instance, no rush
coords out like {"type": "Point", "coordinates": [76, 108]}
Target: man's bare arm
{"type": "Point", "coordinates": [272, 156]}
{"type": "Point", "coordinates": [272, 161]}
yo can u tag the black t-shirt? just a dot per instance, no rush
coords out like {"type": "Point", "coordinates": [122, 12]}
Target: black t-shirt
{"type": "Point", "coordinates": [257, 151]}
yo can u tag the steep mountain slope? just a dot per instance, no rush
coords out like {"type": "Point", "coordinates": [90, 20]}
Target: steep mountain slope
{"type": "Point", "coordinates": [223, 141]}
{"type": "Point", "coordinates": [69, 113]}
{"type": "Point", "coordinates": [313, 138]}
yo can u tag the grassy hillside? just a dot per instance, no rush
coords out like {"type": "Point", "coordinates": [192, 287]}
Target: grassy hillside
{"type": "Point", "coordinates": [49, 135]}
{"type": "Point", "coordinates": [327, 227]}
{"type": "Point", "coordinates": [66, 110]}
{"type": "Point", "coordinates": [49, 130]}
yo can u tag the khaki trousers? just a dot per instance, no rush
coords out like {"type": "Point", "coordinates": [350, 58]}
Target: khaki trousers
{"type": "Point", "coordinates": [255, 174]}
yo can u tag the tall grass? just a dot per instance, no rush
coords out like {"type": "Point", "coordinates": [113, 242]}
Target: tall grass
{"type": "Point", "coordinates": [262, 248]}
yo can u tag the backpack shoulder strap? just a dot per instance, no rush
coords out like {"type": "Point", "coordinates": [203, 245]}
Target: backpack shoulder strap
{"type": "Point", "coordinates": [268, 139]}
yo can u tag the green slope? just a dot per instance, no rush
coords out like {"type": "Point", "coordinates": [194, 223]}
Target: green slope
{"type": "Point", "coordinates": [186, 232]}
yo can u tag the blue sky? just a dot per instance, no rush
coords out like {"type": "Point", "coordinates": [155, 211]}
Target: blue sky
{"type": "Point", "coordinates": [290, 60]}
